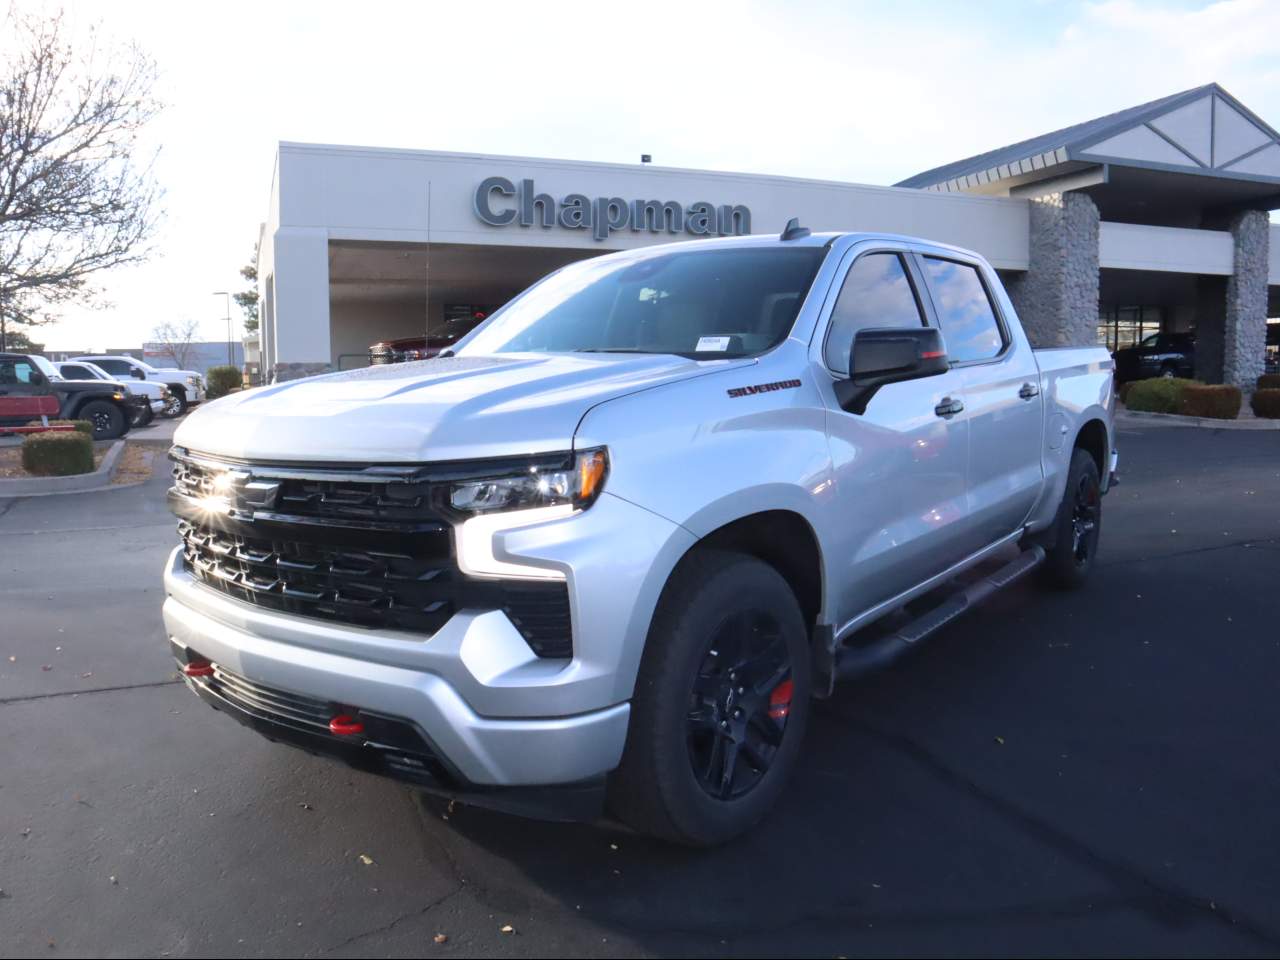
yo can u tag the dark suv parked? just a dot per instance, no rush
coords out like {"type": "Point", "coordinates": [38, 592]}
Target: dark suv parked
{"type": "Point", "coordinates": [105, 404]}
{"type": "Point", "coordinates": [1159, 355]}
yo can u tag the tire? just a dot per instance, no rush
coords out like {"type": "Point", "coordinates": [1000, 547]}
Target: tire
{"type": "Point", "coordinates": [109, 421]}
{"type": "Point", "coordinates": [181, 406]}
{"type": "Point", "coordinates": [683, 711]}
{"type": "Point", "coordinates": [1077, 527]}
{"type": "Point", "coordinates": [142, 416]}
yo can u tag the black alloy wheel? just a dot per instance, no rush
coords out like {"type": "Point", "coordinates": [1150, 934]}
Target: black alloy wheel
{"type": "Point", "coordinates": [1084, 517]}
{"type": "Point", "coordinates": [739, 704]}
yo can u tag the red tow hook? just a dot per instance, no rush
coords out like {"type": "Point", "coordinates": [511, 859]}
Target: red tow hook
{"type": "Point", "coordinates": [197, 668]}
{"type": "Point", "coordinates": [780, 700]}
{"type": "Point", "coordinates": [345, 725]}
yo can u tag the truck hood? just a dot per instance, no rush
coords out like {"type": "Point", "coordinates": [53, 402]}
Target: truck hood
{"type": "Point", "coordinates": [446, 408]}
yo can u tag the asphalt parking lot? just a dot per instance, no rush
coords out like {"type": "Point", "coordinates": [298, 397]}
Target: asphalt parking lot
{"type": "Point", "coordinates": [1088, 773]}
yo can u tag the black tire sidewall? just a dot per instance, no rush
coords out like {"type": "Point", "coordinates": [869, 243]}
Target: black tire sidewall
{"type": "Point", "coordinates": [721, 584]}
{"type": "Point", "coordinates": [1061, 566]}
{"type": "Point", "coordinates": [182, 400]}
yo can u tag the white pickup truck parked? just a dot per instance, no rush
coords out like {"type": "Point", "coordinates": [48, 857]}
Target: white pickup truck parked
{"type": "Point", "coordinates": [186, 387]}
{"type": "Point", "coordinates": [611, 548]}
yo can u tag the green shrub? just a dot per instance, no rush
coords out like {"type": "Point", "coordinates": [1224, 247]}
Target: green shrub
{"type": "Point", "coordinates": [221, 380]}
{"type": "Point", "coordinates": [84, 426]}
{"type": "Point", "coordinates": [57, 454]}
{"type": "Point", "coordinates": [1269, 381]}
{"type": "Point", "coordinates": [1266, 403]}
{"type": "Point", "coordinates": [1216, 401]}
{"type": "Point", "coordinates": [1157, 395]}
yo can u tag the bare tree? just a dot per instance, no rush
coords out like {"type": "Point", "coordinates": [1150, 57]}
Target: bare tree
{"type": "Point", "coordinates": [176, 341]}
{"type": "Point", "coordinates": [77, 192]}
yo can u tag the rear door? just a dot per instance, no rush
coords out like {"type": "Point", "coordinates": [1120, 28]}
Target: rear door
{"type": "Point", "coordinates": [900, 466]}
{"type": "Point", "coordinates": [1001, 384]}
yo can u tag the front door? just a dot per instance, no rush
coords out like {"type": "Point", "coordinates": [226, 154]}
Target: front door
{"type": "Point", "coordinates": [20, 384]}
{"type": "Point", "coordinates": [900, 467]}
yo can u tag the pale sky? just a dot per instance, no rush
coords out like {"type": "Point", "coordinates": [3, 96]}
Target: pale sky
{"type": "Point", "coordinates": [863, 92]}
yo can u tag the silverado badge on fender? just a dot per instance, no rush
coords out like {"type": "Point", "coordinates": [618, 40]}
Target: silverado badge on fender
{"type": "Point", "coordinates": [764, 388]}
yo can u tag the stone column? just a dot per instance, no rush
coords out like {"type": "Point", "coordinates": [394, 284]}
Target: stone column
{"type": "Point", "coordinates": [1244, 336]}
{"type": "Point", "coordinates": [1057, 298]}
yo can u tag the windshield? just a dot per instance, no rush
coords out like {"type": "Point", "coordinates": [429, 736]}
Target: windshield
{"type": "Point", "coordinates": [709, 303]}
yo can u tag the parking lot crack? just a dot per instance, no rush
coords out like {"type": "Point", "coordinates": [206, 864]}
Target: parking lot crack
{"type": "Point", "coordinates": [1265, 542]}
{"type": "Point", "coordinates": [395, 922]}
{"type": "Point", "coordinates": [1163, 900]}
{"type": "Point", "coordinates": [84, 693]}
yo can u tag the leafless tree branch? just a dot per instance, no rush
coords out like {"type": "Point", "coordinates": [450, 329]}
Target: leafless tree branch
{"type": "Point", "coordinates": [77, 194]}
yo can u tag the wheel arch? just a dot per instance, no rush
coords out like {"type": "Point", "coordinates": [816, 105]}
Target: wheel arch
{"type": "Point", "coordinates": [786, 541]}
{"type": "Point", "coordinates": [1092, 438]}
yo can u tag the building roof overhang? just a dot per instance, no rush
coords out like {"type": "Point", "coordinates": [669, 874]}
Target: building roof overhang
{"type": "Point", "coordinates": [1203, 133]}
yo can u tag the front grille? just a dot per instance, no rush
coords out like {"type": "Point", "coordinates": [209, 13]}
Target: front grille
{"type": "Point", "coordinates": [370, 552]}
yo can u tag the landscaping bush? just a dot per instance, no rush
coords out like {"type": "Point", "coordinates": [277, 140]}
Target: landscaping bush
{"type": "Point", "coordinates": [1269, 381]}
{"type": "Point", "coordinates": [1216, 401]}
{"type": "Point", "coordinates": [1157, 395]}
{"type": "Point", "coordinates": [1266, 403]}
{"type": "Point", "coordinates": [57, 454]}
{"type": "Point", "coordinates": [221, 380]}
{"type": "Point", "coordinates": [84, 426]}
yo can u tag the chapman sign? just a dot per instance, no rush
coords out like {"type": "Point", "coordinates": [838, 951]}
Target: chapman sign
{"type": "Point", "coordinates": [499, 202]}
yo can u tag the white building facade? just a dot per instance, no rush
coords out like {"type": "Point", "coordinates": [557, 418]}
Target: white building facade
{"type": "Point", "coordinates": [1150, 219]}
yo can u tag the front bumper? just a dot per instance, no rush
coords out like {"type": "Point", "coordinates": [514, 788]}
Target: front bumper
{"type": "Point", "coordinates": [476, 750]}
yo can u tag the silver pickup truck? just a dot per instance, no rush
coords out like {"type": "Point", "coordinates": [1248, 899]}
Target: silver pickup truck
{"type": "Point", "coordinates": [604, 555]}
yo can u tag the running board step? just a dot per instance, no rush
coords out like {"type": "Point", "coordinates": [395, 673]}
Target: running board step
{"type": "Point", "coordinates": [855, 660]}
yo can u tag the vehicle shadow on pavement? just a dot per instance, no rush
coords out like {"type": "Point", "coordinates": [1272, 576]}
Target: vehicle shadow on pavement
{"type": "Point", "coordinates": [936, 809]}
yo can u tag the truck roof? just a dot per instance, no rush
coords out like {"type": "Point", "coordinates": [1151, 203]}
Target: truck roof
{"type": "Point", "coordinates": [825, 238]}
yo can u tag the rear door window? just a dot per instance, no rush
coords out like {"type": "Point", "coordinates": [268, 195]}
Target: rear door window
{"type": "Point", "coordinates": [965, 311]}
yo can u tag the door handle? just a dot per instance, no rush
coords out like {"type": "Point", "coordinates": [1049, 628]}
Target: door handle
{"type": "Point", "coordinates": [948, 407]}
{"type": "Point", "coordinates": [1028, 391]}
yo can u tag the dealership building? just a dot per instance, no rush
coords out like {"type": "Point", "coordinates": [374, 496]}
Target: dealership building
{"type": "Point", "coordinates": [1147, 220]}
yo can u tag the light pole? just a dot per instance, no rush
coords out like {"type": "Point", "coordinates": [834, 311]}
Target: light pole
{"type": "Point", "coordinates": [223, 293]}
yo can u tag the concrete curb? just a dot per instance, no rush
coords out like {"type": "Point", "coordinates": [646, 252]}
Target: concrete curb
{"type": "Point", "coordinates": [100, 479]}
{"type": "Point", "coordinates": [1141, 418]}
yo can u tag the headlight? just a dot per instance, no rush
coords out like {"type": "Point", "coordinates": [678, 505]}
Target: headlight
{"type": "Point", "coordinates": [575, 479]}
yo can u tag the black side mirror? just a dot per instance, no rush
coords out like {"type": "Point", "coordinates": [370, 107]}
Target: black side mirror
{"type": "Point", "coordinates": [138, 374]}
{"type": "Point", "coordinates": [38, 379]}
{"type": "Point", "coordinates": [883, 355]}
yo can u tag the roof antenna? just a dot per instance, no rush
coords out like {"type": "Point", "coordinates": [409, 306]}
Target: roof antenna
{"type": "Point", "coordinates": [793, 230]}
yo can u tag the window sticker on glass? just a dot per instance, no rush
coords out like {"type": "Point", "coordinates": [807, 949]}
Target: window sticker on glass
{"type": "Point", "coordinates": [712, 344]}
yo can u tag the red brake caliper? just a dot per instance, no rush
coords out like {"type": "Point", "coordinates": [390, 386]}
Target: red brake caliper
{"type": "Point", "coordinates": [780, 701]}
